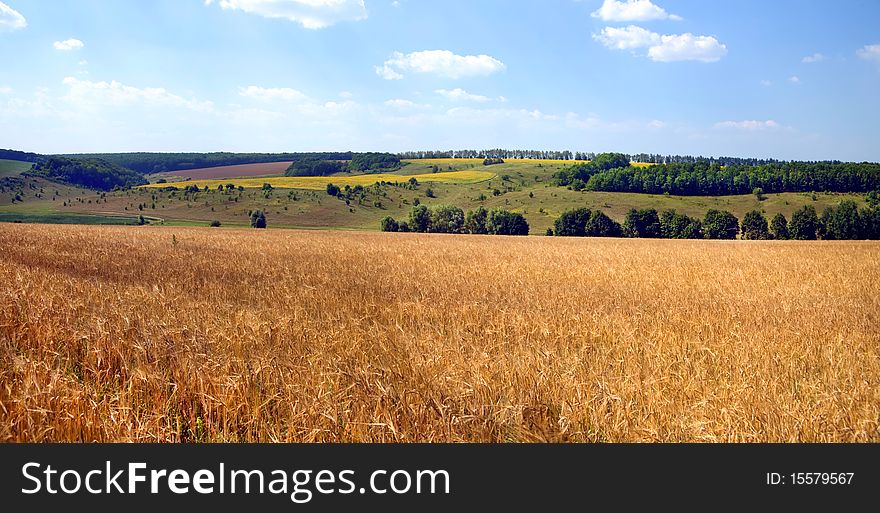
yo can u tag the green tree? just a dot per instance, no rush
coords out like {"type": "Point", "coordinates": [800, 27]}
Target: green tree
{"type": "Point", "coordinates": [779, 227]}
{"type": "Point", "coordinates": [600, 225]}
{"type": "Point", "coordinates": [475, 221]}
{"type": "Point", "coordinates": [258, 219]}
{"type": "Point", "coordinates": [389, 224]}
{"type": "Point", "coordinates": [572, 223]}
{"type": "Point", "coordinates": [333, 190]}
{"type": "Point", "coordinates": [845, 223]}
{"type": "Point", "coordinates": [503, 222]}
{"type": "Point", "coordinates": [804, 224]}
{"type": "Point", "coordinates": [447, 219]}
{"type": "Point", "coordinates": [643, 223]}
{"type": "Point", "coordinates": [215, 224]}
{"type": "Point", "coordinates": [720, 224]}
{"type": "Point", "coordinates": [754, 226]}
{"type": "Point", "coordinates": [420, 219]}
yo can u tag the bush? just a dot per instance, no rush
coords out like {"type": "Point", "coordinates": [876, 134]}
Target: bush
{"type": "Point", "coordinates": [720, 224]}
{"type": "Point", "coordinates": [258, 219]}
{"type": "Point", "coordinates": [389, 224]}
{"type": "Point", "coordinates": [215, 224]}
{"type": "Point", "coordinates": [754, 226]}
{"type": "Point", "coordinates": [679, 226]}
{"type": "Point", "coordinates": [333, 190]}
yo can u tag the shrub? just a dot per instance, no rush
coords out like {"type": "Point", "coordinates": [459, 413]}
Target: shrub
{"type": "Point", "coordinates": [600, 225]}
{"type": "Point", "coordinates": [447, 219]}
{"type": "Point", "coordinates": [215, 224]}
{"type": "Point", "coordinates": [332, 190]}
{"type": "Point", "coordinates": [258, 219]}
{"type": "Point", "coordinates": [572, 223]}
{"type": "Point", "coordinates": [389, 224]}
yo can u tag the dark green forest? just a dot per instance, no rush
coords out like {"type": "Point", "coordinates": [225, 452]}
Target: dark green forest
{"type": "Point", "coordinates": [611, 173]}
{"type": "Point", "coordinates": [88, 172]}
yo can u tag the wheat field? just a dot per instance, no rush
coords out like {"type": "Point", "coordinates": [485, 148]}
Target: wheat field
{"type": "Point", "coordinates": [196, 335]}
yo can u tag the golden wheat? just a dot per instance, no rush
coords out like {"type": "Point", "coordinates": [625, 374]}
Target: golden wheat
{"type": "Point", "coordinates": [173, 334]}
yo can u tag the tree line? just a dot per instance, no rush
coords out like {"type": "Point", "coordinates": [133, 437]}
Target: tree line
{"type": "Point", "coordinates": [87, 172]}
{"type": "Point", "coordinates": [704, 178]}
{"type": "Point", "coordinates": [359, 162]}
{"type": "Point", "coordinates": [844, 222]}
{"type": "Point", "coordinates": [148, 163]}
{"type": "Point", "coordinates": [451, 219]}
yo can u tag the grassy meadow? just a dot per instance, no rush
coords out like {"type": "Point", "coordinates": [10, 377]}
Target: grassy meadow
{"type": "Point", "coordinates": [193, 334]}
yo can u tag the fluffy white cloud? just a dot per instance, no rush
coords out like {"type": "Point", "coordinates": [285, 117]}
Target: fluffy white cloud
{"type": "Point", "coordinates": [810, 59]}
{"type": "Point", "coordinates": [748, 125]}
{"type": "Point", "coordinates": [459, 94]}
{"type": "Point", "coordinates": [68, 44]}
{"type": "Point", "coordinates": [439, 62]}
{"type": "Point", "coordinates": [272, 93]}
{"type": "Point", "coordinates": [766, 83]}
{"type": "Point", "coordinates": [687, 47]}
{"type": "Point", "coordinates": [311, 14]}
{"type": "Point", "coordinates": [663, 48]}
{"type": "Point", "coordinates": [399, 103]}
{"type": "Point", "coordinates": [627, 38]}
{"type": "Point", "coordinates": [84, 93]}
{"type": "Point", "coordinates": [5, 90]}
{"type": "Point", "coordinates": [632, 10]}
{"type": "Point", "coordinates": [794, 80]}
{"type": "Point", "coordinates": [869, 52]}
{"type": "Point", "coordinates": [10, 19]}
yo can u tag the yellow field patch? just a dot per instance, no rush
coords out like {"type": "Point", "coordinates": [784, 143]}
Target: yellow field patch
{"type": "Point", "coordinates": [320, 182]}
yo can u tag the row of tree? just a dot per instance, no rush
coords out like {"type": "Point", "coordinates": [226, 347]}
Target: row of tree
{"type": "Point", "coordinates": [496, 153]}
{"type": "Point", "coordinates": [148, 163]}
{"type": "Point", "coordinates": [844, 222]}
{"type": "Point", "coordinates": [451, 219]}
{"type": "Point", "coordinates": [358, 162]}
{"type": "Point", "coordinates": [703, 178]}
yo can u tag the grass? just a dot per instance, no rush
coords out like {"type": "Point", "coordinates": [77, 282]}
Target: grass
{"type": "Point", "coordinates": [65, 218]}
{"type": "Point", "coordinates": [317, 183]}
{"type": "Point", "coordinates": [13, 167]}
{"type": "Point", "coordinates": [341, 337]}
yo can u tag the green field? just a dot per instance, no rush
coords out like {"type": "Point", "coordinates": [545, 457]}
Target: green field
{"type": "Point", "coordinates": [523, 186]}
{"type": "Point", "coordinates": [13, 167]}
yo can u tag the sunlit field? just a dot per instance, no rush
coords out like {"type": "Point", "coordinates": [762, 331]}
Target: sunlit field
{"type": "Point", "coordinates": [185, 334]}
{"type": "Point", "coordinates": [320, 182]}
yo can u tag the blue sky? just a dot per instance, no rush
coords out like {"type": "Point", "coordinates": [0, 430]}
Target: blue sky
{"type": "Point", "coordinates": [784, 79]}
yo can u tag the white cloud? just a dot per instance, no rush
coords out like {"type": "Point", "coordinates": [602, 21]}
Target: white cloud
{"type": "Point", "coordinates": [687, 47]}
{"type": "Point", "coordinates": [632, 10]}
{"type": "Point", "coordinates": [311, 14]}
{"type": "Point", "coordinates": [627, 38]}
{"type": "Point", "coordinates": [869, 52]}
{"type": "Point", "coordinates": [272, 93]}
{"type": "Point", "coordinates": [811, 59]}
{"type": "Point", "coordinates": [794, 79]}
{"type": "Point", "coordinates": [439, 62]}
{"type": "Point", "coordinates": [748, 125]}
{"type": "Point", "coordinates": [68, 44]}
{"type": "Point", "coordinates": [86, 93]}
{"type": "Point", "coordinates": [459, 94]}
{"type": "Point", "coordinates": [401, 104]}
{"type": "Point", "coordinates": [663, 48]}
{"type": "Point", "coordinates": [10, 19]}
{"type": "Point", "coordinates": [766, 83]}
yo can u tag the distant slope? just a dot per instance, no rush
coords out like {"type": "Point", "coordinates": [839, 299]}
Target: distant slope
{"type": "Point", "coordinates": [13, 167]}
{"type": "Point", "coordinates": [237, 171]}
